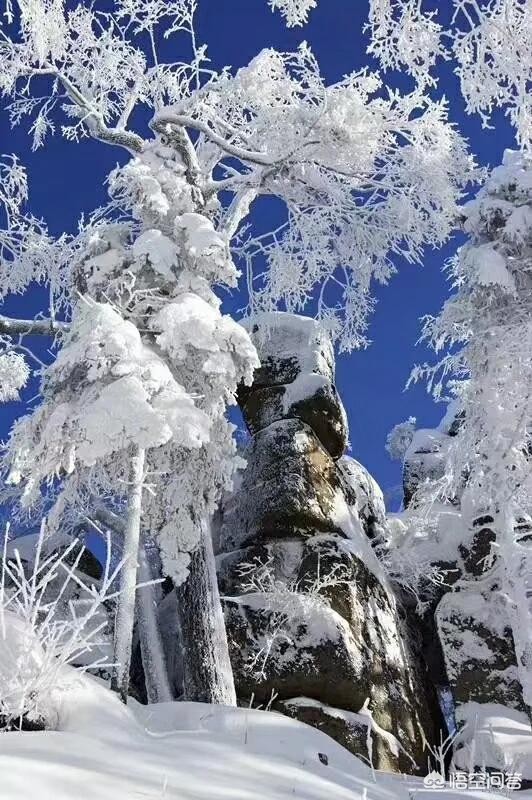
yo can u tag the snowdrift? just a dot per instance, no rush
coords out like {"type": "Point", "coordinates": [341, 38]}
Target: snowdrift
{"type": "Point", "coordinates": [184, 751]}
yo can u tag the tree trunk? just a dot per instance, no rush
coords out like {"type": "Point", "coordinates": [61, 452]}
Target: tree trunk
{"type": "Point", "coordinates": [148, 598]}
{"type": "Point", "coordinates": [125, 616]}
{"type": "Point", "coordinates": [151, 646]}
{"type": "Point", "coordinates": [208, 675]}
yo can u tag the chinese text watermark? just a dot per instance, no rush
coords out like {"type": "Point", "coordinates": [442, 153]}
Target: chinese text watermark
{"type": "Point", "coordinates": [507, 781]}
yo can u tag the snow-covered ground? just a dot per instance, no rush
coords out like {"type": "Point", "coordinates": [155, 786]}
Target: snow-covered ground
{"type": "Point", "coordinates": [496, 735]}
{"type": "Point", "coordinates": [185, 751]}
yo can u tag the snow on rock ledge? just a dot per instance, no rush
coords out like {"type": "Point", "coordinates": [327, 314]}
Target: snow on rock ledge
{"type": "Point", "coordinates": [295, 379]}
{"type": "Point", "coordinates": [494, 735]}
{"type": "Point", "coordinates": [310, 398]}
{"type": "Point", "coordinates": [289, 345]}
{"type": "Point", "coordinates": [477, 642]}
{"type": "Point", "coordinates": [356, 731]}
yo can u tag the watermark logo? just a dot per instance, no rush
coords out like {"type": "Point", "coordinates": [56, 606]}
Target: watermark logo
{"type": "Point", "coordinates": [474, 780]}
{"type": "Point", "coordinates": [434, 781]}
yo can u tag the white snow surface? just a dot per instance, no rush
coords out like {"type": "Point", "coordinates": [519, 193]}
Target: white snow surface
{"type": "Point", "coordinates": [159, 250]}
{"type": "Point", "coordinates": [191, 324]}
{"type": "Point", "coordinates": [26, 545]}
{"type": "Point", "coordinates": [370, 499]}
{"type": "Point", "coordinates": [302, 388]}
{"type": "Point", "coordinates": [279, 335]}
{"type": "Point", "coordinates": [495, 735]}
{"type": "Point", "coordinates": [489, 267]}
{"type": "Point", "coordinates": [356, 541]}
{"type": "Point", "coordinates": [428, 441]}
{"type": "Point", "coordinates": [437, 541]}
{"type": "Point", "coordinates": [185, 751]}
{"type": "Point", "coordinates": [513, 170]}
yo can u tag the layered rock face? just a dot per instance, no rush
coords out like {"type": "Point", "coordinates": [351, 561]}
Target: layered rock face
{"type": "Point", "coordinates": [314, 626]}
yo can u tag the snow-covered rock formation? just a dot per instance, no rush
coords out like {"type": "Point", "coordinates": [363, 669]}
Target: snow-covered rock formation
{"type": "Point", "coordinates": [314, 626]}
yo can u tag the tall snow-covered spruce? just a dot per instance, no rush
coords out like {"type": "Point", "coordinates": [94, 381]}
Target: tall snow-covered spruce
{"type": "Point", "coordinates": [487, 326]}
{"type": "Point", "coordinates": [146, 362]}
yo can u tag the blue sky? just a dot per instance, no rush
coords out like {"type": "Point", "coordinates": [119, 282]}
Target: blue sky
{"type": "Point", "coordinates": [67, 179]}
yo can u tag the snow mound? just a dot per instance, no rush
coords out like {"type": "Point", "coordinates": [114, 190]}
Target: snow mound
{"type": "Point", "coordinates": [279, 336]}
{"type": "Point", "coordinates": [495, 735]}
{"type": "Point", "coordinates": [185, 751]}
{"type": "Point", "coordinates": [176, 751]}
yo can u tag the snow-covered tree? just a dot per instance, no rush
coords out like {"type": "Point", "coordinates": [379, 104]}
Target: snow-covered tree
{"type": "Point", "coordinates": [400, 437]}
{"type": "Point", "coordinates": [486, 326]}
{"type": "Point", "coordinates": [148, 363]}
{"type": "Point", "coordinates": [488, 41]}
{"type": "Point", "coordinates": [295, 12]}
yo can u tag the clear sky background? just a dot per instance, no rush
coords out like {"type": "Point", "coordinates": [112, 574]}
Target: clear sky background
{"type": "Point", "coordinates": [68, 179]}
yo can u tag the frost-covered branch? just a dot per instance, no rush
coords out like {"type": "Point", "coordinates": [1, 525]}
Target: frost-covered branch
{"type": "Point", "coordinates": [404, 37]}
{"type": "Point", "coordinates": [295, 12]}
{"type": "Point", "coordinates": [361, 187]}
{"type": "Point", "coordinates": [288, 603]}
{"type": "Point", "coordinates": [253, 157]}
{"type": "Point", "coordinates": [14, 374]}
{"type": "Point", "coordinates": [489, 43]}
{"type": "Point", "coordinates": [10, 326]}
{"type": "Point", "coordinates": [92, 117]}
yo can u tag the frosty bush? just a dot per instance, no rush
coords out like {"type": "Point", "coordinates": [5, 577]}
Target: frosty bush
{"type": "Point", "coordinates": [400, 438]}
{"type": "Point", "coordinates": [44, 628]}
{"type": "Point", "coordinates": [289, 603]}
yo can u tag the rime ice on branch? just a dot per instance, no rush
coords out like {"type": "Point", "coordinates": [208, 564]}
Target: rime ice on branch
{"type": "Point", "coordinates": [489, 42]}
